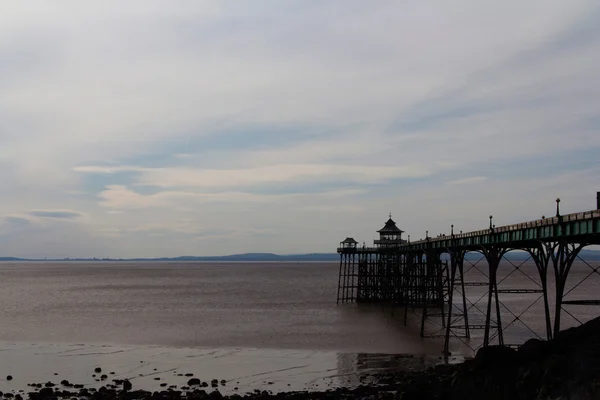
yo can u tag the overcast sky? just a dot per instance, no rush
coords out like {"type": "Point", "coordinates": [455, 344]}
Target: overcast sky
{"type": "Point", "coordinates": [154, 128]}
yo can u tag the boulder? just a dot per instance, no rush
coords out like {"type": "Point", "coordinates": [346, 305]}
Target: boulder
{"type": "Point", "coordinates": [566, 367]}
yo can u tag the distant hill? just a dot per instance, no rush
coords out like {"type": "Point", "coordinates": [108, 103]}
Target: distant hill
{"type": "Point", "coordinates": [265, 257]}
{"type": "Point", "coordinates": [588, 255]}
{"type": "Point", "coordinates": [248, 257]}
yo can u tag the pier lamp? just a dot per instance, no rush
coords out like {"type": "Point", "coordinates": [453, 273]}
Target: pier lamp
{"type": "Point", "coordinates": [557, 207]}
{"type": "Point", "coordinates": [452, 229]}
{"type": "Point", "coordinates": [491, 227]}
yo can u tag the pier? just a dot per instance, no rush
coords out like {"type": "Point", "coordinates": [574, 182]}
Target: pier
{"type": "Point", "coordinates": [430, 277]}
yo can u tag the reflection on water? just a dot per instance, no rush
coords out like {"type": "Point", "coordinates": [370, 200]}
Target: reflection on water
{"type": "Point", "coordinates": [352, 366]}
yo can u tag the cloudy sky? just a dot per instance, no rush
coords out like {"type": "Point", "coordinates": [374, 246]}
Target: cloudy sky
{"type": "Point", "coordinates": [149, 128]}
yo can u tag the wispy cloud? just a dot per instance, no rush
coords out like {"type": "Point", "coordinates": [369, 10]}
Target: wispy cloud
{"type": "Point", "coordinates": [16, 221]}
{"type": "Point", "coordinates": [56, 214]}
{"type": "Point", "coordinates": [464, 181]}
{"type": "Point", "coordinates": [274, 174]}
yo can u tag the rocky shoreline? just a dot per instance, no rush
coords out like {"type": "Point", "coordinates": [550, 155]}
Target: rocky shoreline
{"type": "Point", "coordinates": [567, 367]}
{"type": "Point", "coordinates": [432, 383]}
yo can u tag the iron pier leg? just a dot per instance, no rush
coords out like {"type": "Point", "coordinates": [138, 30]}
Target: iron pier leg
{"type": "Point", "coordinates": [340, 278]}
{"type": "Point", "coordinates": [563, 261]}
{"type": "Point", "coordinates": [493, 256]}
{"type": "Point", "coordinates": [453, 266]}
{"type": "Point", "coordinates": [464, 295]}
{"type": "Point", "coordinates": [439, 282]}
{"type": "Point", "coordinates": [428, 286]}
{"type": "Point", "coordinates": [498, 318]}
{"type": "Point", "coordinates": [541, 257]}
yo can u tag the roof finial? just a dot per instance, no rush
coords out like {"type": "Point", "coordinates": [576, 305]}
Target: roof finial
{"type": "Point", "coordinates": [390, 215]}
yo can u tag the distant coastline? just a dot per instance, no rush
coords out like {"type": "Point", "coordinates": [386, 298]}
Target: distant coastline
{"type": "Point", "coordinates": [588, 255]}
{"type": "Point", "coordinates": [248, 257]}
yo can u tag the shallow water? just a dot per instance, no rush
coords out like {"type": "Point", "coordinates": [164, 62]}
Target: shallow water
{"type": "Point", "coordinates": [259, 326]}
{"type": "Point", "coordinates": [147, 367]}
{"type": "Point", "coordinates": [276, 306]}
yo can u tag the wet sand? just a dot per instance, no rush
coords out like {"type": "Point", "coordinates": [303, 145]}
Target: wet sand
{"type": "Point", "coordinates": [159, 368]}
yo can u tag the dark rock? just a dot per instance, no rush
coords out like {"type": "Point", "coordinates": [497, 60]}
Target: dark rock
{"type": "Point", "coordinates": [533, 349]}
{"type": "Point", "coordinates": [194, 382]}
{"type": "Point", "coordinates": [215, 395]}
{"type": "Point", "coordinates": [46, 394]}
{"type": "Point", "coordinates": [98, 370]}
{"type": "Point", "coordinates": [566, 367]}
{"type": "Point", "coordinates": [127, 385]}
{"type": "Point", "coordinates": [9, 378]}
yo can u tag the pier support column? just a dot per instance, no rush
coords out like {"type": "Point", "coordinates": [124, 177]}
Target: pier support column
{"type": "Point", "coordinates": [427, 278]}
{"type": "Point", "coordinates": [456, 265]}
{"type": "Point", "coordinates": [563, 254]}
{"type": "Point", "coordinates": [340, 278]}
{"type": "Point", "coordinates": [493, 255]}
{"type": "Point", "coordinates": [541, 256]}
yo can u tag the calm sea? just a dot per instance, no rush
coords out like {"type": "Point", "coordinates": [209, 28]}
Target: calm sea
{"type": "Point", "coordinates": [253, 305]}
{"type": "Point", "coordinates": [274, 306]}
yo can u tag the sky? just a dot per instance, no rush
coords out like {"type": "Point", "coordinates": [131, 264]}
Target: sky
{"type": "Point", "coordinates": [146, 129]}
